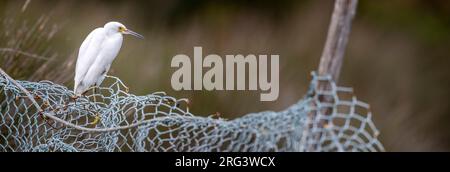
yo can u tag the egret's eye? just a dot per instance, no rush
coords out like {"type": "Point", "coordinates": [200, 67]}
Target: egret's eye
{"type": "Point", "coordinates": [121, 29]}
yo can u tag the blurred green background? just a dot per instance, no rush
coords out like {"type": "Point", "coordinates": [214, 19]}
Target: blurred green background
{"type": "Point", "coordinates": [397, 59]}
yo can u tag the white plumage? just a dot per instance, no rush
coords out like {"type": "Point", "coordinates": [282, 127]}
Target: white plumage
{"type": "Point", "coordinates": [97, 53]}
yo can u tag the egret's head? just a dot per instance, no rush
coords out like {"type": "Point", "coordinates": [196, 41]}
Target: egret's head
{"type": "Point", "coordinates": [116, 27]}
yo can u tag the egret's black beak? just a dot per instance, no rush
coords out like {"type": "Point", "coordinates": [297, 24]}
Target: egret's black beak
{"type": "Point", "coordinates": [130, 32]}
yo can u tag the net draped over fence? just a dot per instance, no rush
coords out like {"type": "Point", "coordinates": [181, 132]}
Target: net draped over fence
{"type": "Point", "coordinates": [119, 121]}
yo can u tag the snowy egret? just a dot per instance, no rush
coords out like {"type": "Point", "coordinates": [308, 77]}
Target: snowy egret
{"type": "Point", "coordinates": [96, 54]}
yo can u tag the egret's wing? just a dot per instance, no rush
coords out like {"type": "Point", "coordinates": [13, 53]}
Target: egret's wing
{"type": "Point", "coordinates": [89, 50]}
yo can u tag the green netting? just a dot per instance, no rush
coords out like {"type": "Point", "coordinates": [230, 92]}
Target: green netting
{"type": "Point", "coordinates": [119, 121]}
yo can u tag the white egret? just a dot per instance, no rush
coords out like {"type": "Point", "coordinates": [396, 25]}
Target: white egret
{"type": "Point", "coordinates": [96, 54]}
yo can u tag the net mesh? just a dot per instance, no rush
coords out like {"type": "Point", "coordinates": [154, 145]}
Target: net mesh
{"type": "Point", "coordinates": [119, 121]}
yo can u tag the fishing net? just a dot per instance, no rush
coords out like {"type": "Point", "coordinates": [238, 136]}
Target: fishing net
{"type": "Point", "coordinates": [115, 120]}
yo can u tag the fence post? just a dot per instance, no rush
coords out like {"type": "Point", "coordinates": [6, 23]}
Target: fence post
{"type": "Point", "coordinates": [336, 42]}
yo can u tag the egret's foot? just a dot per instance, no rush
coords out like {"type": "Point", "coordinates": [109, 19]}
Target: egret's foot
{"type": "Point", "coordinates": [74, 97]}
{"type": "Point", "coordinates": [96, 119]}
{"type": "Point", "coordinates": [127, 89]}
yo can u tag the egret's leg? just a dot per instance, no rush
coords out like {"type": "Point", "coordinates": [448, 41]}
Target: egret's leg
{"type": "Point", "coordinates": [74, 98]}
{"type": "Point", "coordinates": [97, 115]}
{"type": "Point", "coordinates": [94, 94]}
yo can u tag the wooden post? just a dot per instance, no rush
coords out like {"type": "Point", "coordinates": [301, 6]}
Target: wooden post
{"type": "Point", "coordinates": [336, 42]}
